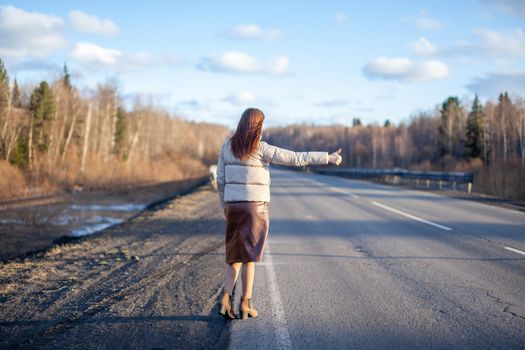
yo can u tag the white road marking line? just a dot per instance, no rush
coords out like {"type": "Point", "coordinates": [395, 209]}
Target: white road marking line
{"type": "Point", "coordinates": [345, 192]}
{"type": "Point", "coordinates": [514, 250]}
{"type": "Point", "coordinates": [281, 331]}
{"type": "Point", "coordinates": [413, 217]}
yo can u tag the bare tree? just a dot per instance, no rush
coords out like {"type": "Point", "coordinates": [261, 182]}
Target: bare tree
{"type": "Point", "coordinates": [85, 145]}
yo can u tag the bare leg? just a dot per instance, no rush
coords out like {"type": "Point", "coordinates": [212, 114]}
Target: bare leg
{"type": "Point", "coordinates": [232, 271]}
{"type": "Point", "coordinates": [248, 274]}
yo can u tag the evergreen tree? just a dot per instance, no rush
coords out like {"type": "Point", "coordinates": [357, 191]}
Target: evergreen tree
{"type": "Point", "coordinates": [120, 131]}
{"type": "Point", "coordinates": [450, 128]}
{"type": "Point", "coordinates": [16, 97]}
{"type": "Point", "coordinates": [4, 89]}
{"type": "Point", "coordinates": [4, 78]}
{"type": "Point", "coordinates": [42, 107]}
{"type": "Point", "coordinates": [19, 156]}
{"type": "Point", "coordinates": [475, 130]}
{"type": "Point", "coordinates": [356, 122]}
{"type": "Point", "coordinates": [66, 78]}
{"type": "Point", "coordinates": [4, 105]}
{"type": "Point", "coordinates": [504, 98]}
{"type": "Point", "coordinates": [387, 123]}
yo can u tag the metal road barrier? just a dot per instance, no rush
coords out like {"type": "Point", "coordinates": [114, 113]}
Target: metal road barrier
{"type": "Point", "coordinates": [429, 179]}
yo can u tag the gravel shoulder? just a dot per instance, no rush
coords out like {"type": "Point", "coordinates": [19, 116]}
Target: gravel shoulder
{"type": "Point", "coordinates": [151, 282]}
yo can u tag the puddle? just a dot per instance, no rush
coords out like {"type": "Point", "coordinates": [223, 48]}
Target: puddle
{"type": "Point", "coordinates": [108, 207]}
{"type": "Point", "coordinates": [89, 229]}
{"type": "Point", "coordinates": [12, 221]}
{"type": "Point", "coordinates": [77, 219]}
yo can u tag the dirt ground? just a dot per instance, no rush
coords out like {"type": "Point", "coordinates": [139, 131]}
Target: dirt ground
{"type": "Point", "coordinates": [149, 283]}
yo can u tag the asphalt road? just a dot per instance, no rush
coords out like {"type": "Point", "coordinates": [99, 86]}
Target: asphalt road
{"type": "Point", "coordinates": [352, 264]}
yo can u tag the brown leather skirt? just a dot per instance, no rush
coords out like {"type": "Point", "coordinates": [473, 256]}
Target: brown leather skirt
{"type": "Point", "coordinates": [246, 231]}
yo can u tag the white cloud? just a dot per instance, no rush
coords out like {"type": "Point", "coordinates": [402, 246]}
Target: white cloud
{"type": "Point", "coordinates": [29, 34]}
{"type": "Point", "coordinates": [402, 69]}
{"type": "Point", "coordinates": [91, 54]}
{"type": "Point", "coordinates": [492, 85]}
{"type": "Point", "coordinates": [233, 61]}
{"type": "Point", "coordinates": [338, 102]}
{"type": "Point", "coordinates": [240, 62]}
{"type": "Point", "coordinates": [253, 31]}
{"type": "Point", "coordinates": [209, 110]}
{"type": "Point", "coordinates": [428, 23]}
{"type": "Point", "coordinates": [341, 18]}
{"type": "Point", "coordinates": [241, 98]}
{"type": "Point", "coordinates": [84, 22]}
{"type": "Point", "coordinates": [223, 110]}
{"type": "Point", "coordinates": [278, 65]}
{"type": "Point", "coordinates": [423, 47]}
{"type": "Point", "coordinates": [510, 43]}
{"type": "Point", "coordinates": [509, 7]}
{"type": "Point", "coordinates": [490, 43]}
{"type": "Point", "coordinates": [97, 57]}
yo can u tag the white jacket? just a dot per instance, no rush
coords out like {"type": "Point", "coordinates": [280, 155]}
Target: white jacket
{"type": "Point", "coordinates": [249, 180]}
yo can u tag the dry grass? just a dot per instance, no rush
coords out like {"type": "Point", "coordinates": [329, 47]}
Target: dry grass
{"type": "Point", "coordinates": [101, 175]}
{"type": "Point", "coordinates": [12, 273]}
{"type": "Point", "coordinates": [97, 175]}
{"type": "Point", "coordinates": [502, 178]}
{"type": "Point", "coordinates": [12, 181]}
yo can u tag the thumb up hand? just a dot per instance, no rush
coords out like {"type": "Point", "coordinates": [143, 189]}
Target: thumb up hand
{"type": "Point", "coordinates": [335, 158]}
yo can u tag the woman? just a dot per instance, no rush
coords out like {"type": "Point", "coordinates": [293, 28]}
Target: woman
{"type": "Point", "coordinates": [243, 180]}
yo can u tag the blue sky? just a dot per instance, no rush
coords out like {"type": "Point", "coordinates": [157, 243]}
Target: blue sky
{"type": "Point", "coordinates": [319, 62]}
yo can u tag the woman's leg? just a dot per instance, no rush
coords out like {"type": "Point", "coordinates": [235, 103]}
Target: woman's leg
{"type": "Point", "coordinates": [248, 274]}
{"type": "Point", "coordinates": [232, 271]}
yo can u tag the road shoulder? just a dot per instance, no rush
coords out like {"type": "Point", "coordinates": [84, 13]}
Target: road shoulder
{"type": "Point", "coordinates": [151, 282]}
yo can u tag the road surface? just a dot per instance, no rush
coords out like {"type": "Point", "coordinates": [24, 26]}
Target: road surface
{"type": "Point", "coordinates": [353, 264]}
{"type": "Point", "coordinates": [349, 264]}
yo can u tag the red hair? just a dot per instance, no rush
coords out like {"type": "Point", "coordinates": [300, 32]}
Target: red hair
{"type": "Point", "coordinates": [245, 141]}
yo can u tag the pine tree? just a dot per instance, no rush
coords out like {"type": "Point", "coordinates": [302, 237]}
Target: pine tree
{"type": "Point", "coordinates": [475, 130]}
{"type": "Point", "coordinates": [42, 107]}
{"type": "Point", "coordinates": [4, 78]}
{"type": "Point", "coordinates": [19, 156]}
{"type": "Point", "coordinates": [66, 78]}
{"type": "Point", "coordinates": [120, 131]}
{"type": "Point", "coordinates": [387, 124]}
{"type": "Point", "coordinates": [4, 88]}
{"type": "Point", "coordinates": [356, 122]}
{"type": "Point", "coordinates": [4, 107]}
{"type": "Point", "coordinates": [16, 97]}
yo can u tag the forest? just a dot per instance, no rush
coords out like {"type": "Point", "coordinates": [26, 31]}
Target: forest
{"type": "Point", "coordinates": [458, 135]}
{"type": "Point", "coordinates": [54, 139]}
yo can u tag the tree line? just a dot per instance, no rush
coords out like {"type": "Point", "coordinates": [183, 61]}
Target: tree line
{"type": "Point", "coordinates": [458, 135]}
{"type": "Point", "coordinates": [54, 135]}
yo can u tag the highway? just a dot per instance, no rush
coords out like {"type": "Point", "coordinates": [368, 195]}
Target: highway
{"type": "Point", "coordinates": [353, 264]}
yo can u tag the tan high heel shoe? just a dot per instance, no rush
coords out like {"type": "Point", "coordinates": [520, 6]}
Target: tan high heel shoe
{"type": "Point", "coordinates": [249, 312]}
{"type": "Point", "coordinates": [226, 310]}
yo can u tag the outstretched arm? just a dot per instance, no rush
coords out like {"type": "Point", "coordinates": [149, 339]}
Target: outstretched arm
{"type": "Point", "coordinates": [284, 156]}
{"type": "Point", "coordinates": [220, 178]}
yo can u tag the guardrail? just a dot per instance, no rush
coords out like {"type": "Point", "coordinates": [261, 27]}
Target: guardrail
{"type": "Point", "coordinates": [428, 179]}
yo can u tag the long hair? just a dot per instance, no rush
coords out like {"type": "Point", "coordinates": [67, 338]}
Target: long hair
{"type": "Point", "coordinates": [249, 130]}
